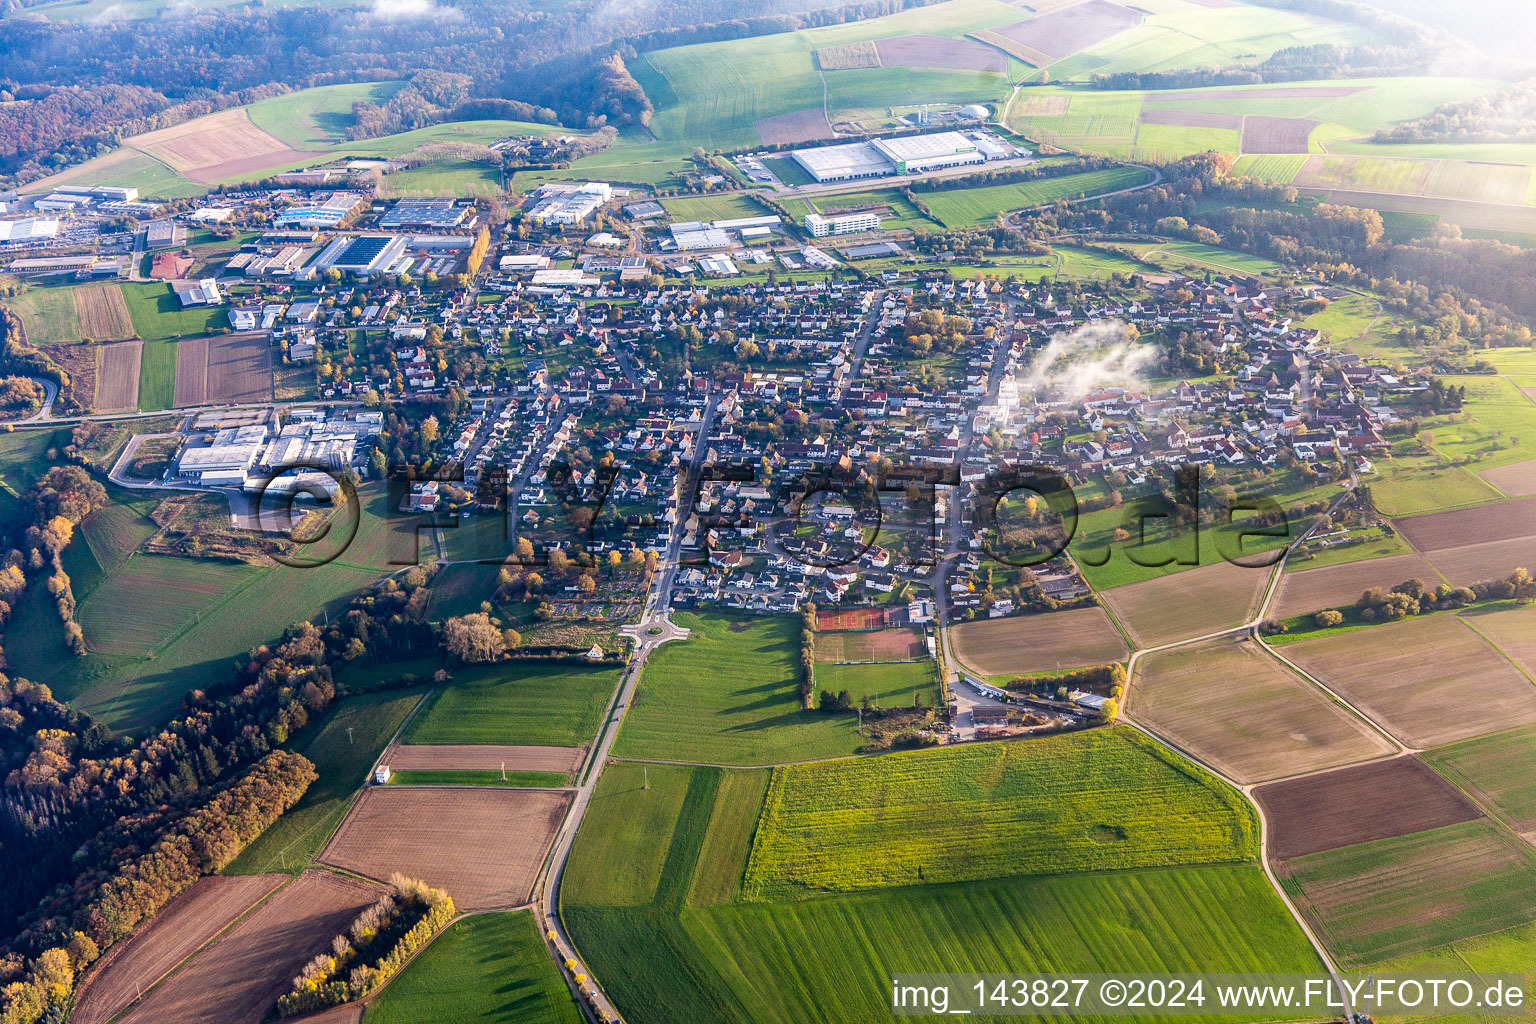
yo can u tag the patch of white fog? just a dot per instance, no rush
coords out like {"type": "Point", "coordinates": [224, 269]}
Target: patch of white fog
{"type": "Point", "coordinates": [1090, 358]}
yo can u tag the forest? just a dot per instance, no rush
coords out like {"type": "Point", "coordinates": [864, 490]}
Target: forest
{"type": "Point", "coordinates": [1508, 115]}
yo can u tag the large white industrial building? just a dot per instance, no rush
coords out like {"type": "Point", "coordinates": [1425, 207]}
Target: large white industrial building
{"type": "Point", "coordinates": [912, 154]}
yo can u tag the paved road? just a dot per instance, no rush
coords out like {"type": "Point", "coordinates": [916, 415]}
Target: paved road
{"type": "Point", "coordinates": [652, 617]}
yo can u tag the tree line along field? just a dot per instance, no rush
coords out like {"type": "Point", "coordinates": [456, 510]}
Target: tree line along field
{"type": "Point", "coordinates": [730, 694]}
{"type": "Point", "coordinates": [655, 878]}
{"type": "Point", "coordinates": [1099, 800]}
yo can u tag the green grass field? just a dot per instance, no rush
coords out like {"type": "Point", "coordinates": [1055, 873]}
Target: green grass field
{"type": "Point", "coordinates": [978, 207]}
{"type": "Point", "coordinates": [157, 316]}
{"type": "Point", "coordinates": [1406, 483]}
{"type": "Point", "coordinates": [723, 206]}
{"type": "Point", "coordinates": [47, 311]}
{"type": "Point", "coordinates": [1093, 801]}
{"type": "Point", "coordinates": [343, 748]}
{"type": "Point", "coordinates": [652, 897]}
{"type": "Point", "coordinates": [892, 685]}
{"type": "Point", "coordinates": [899, 214]}
{"type": "Point", "coordinates": [486, 969]}
{"type": "Point", "coordinates": [1495, 771]}
{"type": "Point", "coordinates": [517, 703]}
{"type": "Point", "coordinates": [1281, 169]}
{"type": "Point", "coordinates": [730, 694]}
{"type": "Point", "coordinates": [152, 598]}
{"type": "Point", "coordinates": [1391, 897]}
{"type": "Point", "coordinates": [445, 177]}
{"type": "Point", "coordinates": [447, 777]}
{"type": "Point", "coordinates": [1499, 427]}
{"type": "Point", "coordinates": [831, 960]}
{"type": "Point", "coordinates": [316, 118]}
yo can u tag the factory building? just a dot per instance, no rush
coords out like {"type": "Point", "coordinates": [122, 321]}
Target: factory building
{"type": "Point", "coordinates": [846, 162]}
{"type": "Point", "coordinates": [329, 212]}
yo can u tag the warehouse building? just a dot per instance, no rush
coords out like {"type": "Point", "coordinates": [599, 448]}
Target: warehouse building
{"type": "Point", "coordinates": [30, 229]}
{"type": "Point", "coordinates": [363, 255]}
{"type": "Point", "coordinates": [163, 234]}
{"type": "Point", "coordinates": [842, 224]}
{"type": "Point", "coordinates": [328, 212]}
{"type": "Point", "coordinates": [843, 163]}
{"type": "Point", "coordinates": [202, 292]}
{"type": "Point", "coordinates": [426, 212]}
{"type": "Point", "coordinates": [917, 154]}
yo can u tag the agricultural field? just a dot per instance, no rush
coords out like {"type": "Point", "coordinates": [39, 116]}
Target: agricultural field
{"type": "Point", "coordinates": [1495, 771]}
{"type": "Point", "coordinates": [1416, 679]}
{"type": "Point", "coordinates": [483, 845]}
{"type": "Point", "coordinates": [342, 747]}
{"type": "Point", "coordinates": [102, 313]}
{"type": "Point", "coordinates": [310, 119]}
{"type": "Point", "coordinates": [117, 377]}
{"type": "Point", "coordinates": [870, 645]}
{"type": "Point", "coordinates": [216, 146]}
{"type": "Point", "coordinates": [525, 703]}
{"type": "Point", "coordinates": [1047, 38]}
{"type": "Point", "coordinates": [1511, 630]}
{"type": "Point", "coordinates": [1279, 169]}
{"type": "Point", "coordinates": [1245, 714]}
{"type": "Point", "coordinates": [1263, 134]}
{"type": "Point", "coordinates": [1335, 586]}
{"type": "Point", "coordinates": [654, 878]}
{"type": "Point", "coordinates": [1485, 524]}
{"type": "Point", "coordinates": [239, 977]}
{"type": "Point", "coordinates": [1027, 644]}
{"type": "Point", "coordinates": [444, 177]}
{"type": "Point", "coordinates": [1098, 800]}
{"type": "Point", "coordinates": [190, 920]}
{"type": "Point", "coordinates": [1368, 173]}
{"type": "Point", "coordinates": [848, 55]}
{"type": "Point", "coordinates": [1391, 897]}
{"type": "Point", "coordinates": [1517, 480]}
{"type": "Point", "coordinates": [978, 207]}
{"type": "Point", "coordinates": [730, 694]}
{"type": "Point", "coordinates": [929, 51]}
{"type": "Point", "coordinates": [1187, 604]}
{"type": "Point", "coordinates": [224, 368]}
{"type": "Point", "coordinates": [496, 966]}
{"type": "Point", "coordinates": [1391, 797]}
{"type": "Point", "coordinates": [472, 758]}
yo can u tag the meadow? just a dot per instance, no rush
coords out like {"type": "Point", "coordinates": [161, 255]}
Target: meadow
{"type": "Point", "coordinates": [516, 703]}
{"type": "Point", "coordinates": [119, 617]}
{"type": "Point", "coordinates": [979, 207]}
{"type": "Point", "coordinates": [730, 694]}
{"type": "Point", "coordinates": [343, 747]}
{"type": "Point", "coordinates": [498, 969]}
{"type": "Point", "coordinates": [157, 316]}
{"type": "Point", "coordinates": [1099, 800]}
{"type": "Point", "coordinates": [725, 206]}
{"type": "Point", "coordinates": [316, 118]}
{"type": "Point", "coordinates": [47, 312]}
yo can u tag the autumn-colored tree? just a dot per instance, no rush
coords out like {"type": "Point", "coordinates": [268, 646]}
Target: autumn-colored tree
{"type": "Point", "coordinates": [473, 638]}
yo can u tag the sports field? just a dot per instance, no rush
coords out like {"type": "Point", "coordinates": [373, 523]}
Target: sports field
{"type": "Point", "coordinates": [523, 703]}
{"type": "Point", "coordinates": [1390, 897]}
{"type": "Point", "coordinates": [891, 685]}
{"type": "Point", "coordinates": [498, 969]}
{"type": "Point", "coordinates": [730, 694]}
{"type": "Point", "coordinates": [1097, 800]}
{"type": "Point", "coordinates": [1242, 712]}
